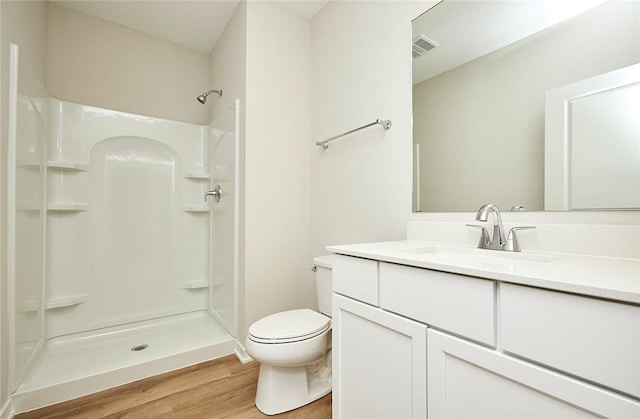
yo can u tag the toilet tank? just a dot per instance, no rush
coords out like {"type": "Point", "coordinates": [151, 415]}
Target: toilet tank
{"type": "Point", "coordinates": [323, 282]}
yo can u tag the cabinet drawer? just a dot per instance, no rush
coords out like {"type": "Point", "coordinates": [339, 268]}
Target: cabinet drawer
{"type": "Point", "coordinates": [456, 303]}
{"type": "Point", "coordinates": [356, 278]}
{"type": "Point", "coordinates": [594, 339]}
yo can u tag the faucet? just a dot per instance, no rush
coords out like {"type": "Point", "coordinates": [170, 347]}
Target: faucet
{"type": "Point", "coordinates": [216, 193]}
{"type": "Point", "coordinates": [497, 241]}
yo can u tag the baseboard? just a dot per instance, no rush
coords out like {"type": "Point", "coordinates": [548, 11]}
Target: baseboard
{"type": "Point", "coordinates": [7, 411]}
{"type": "Point", "coordinates": [241, 353]}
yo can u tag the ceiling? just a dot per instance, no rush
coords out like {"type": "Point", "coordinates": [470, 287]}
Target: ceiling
{"type": "Point", "coordinates": [466, 30]}
{"type": "Point", "coordinates": [194, 24]}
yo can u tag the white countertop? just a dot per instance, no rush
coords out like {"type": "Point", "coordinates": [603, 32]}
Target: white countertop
{"type": "Point", "coordinates": [603, 277]}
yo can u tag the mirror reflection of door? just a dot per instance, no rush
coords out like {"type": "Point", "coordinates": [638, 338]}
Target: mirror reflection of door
{"type": "Point", "coordinates": [592, 143]}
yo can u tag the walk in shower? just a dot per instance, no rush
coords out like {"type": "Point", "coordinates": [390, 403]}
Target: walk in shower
{"type": "Point", "coordinates": [120, 268]}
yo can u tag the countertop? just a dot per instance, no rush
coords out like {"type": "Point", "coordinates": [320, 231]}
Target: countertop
{"type": "Point", "coordinates": [603, 277]}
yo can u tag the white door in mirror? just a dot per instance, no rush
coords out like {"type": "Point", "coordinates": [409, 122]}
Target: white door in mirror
{"type": "Point", "coordinates": [592, 143]}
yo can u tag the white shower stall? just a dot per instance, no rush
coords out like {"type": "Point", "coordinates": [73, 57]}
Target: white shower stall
{"type": "Point", "coordinates": [120, 269]}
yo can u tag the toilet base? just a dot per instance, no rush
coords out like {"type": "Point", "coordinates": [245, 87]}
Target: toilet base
{"type": "Point", "coordinates": [281, 389]}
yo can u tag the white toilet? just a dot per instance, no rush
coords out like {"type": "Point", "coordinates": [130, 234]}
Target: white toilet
{"type": "Point", "coordinates": [294, 350]}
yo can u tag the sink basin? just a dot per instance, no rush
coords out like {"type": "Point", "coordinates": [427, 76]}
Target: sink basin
{"type": "Point", "coordinates": [463, 256]}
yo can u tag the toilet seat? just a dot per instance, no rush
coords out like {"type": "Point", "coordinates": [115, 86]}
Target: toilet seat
{"type": "Point", "coordinates": [289, 326]}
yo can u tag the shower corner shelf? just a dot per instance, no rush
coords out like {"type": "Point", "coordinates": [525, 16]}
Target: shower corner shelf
{"type": "Point", "coordinates": [204, 210]}
{"type": "Point", "coordinates": [28, 306]}
{"type": "Point", "coordinates": [197, 176]}
{"type": "Point", "coordinates": [68, 206]}
{"type": "Point", "coordinates": [63, 165]}
{"type": "Point", "coordinates": [67, 301]}
{"type": "Point", "coordinates": [201, 209]}
{"type": "Point", "coordinates": [195, 284]}
{"type": "Point", "coordinates": [27, 206]}
{"type": "Point", "coordinates": [28, 163]}
{"type": "Point", "coordinates": [219, 281]}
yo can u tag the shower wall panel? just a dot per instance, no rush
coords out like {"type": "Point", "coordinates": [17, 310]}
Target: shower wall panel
{"type": "Point", "coordinates": [27, 148]}
{"type": "Point", "coordinates": [224, 226]}
{"type": "Point", "coordinates": [133, 208]}
{"type": "Point", "coordinates": [128, 231]}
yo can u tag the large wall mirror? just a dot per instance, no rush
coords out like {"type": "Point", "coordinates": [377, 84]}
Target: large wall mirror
{"type": "Point", "coordinates": [481, 71]}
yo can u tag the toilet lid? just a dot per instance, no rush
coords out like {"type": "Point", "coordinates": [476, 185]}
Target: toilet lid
{"type": "Point", "coordinates": [289, 326]}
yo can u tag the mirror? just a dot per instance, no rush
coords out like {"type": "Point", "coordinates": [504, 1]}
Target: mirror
{"type": "Point", "coordinates": [479, 92]}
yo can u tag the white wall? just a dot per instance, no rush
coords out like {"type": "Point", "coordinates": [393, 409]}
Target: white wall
{"type": "Point", "coordinates": [99, 63]}
{"type": "Point", "coordinates": [361, 70]}
{"type": "Point", "coordinates": [22, 23]}
{"type": "Point", "coordinates": [361, 64]}
{"type": "Point", "coordinates": [227, 63]}
{"type": "Point", "coordinates": [277, 162]}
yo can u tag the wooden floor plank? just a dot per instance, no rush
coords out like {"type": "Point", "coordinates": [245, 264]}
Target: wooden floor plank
{"type": "Point", "coordinates": [222, 388]}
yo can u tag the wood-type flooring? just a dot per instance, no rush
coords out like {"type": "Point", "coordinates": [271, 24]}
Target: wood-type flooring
{"type": "Point", "coordinates": [222, 388]}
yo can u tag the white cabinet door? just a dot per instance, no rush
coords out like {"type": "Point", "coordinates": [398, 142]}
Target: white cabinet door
{"type": "Point", "coordinates": [470, 381]}
{"type": "Point", "coordinates": [379, 363]}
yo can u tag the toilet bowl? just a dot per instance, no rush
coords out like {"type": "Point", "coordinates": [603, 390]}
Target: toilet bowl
{"type": "Point", "coordinates": [294, 351]}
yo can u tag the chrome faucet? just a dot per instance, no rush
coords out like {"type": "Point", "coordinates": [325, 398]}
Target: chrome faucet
{"type": "Point", "coordinates": [497, 241]}
{"type": "Point", "coordinates": [216, 193]}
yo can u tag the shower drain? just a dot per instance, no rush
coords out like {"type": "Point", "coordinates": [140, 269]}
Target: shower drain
{"type": "Point", "coordinates": [139, 348]}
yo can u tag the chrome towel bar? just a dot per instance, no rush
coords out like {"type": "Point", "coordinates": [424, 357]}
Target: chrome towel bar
{"type": "Point", "coordinates": [385, 124]}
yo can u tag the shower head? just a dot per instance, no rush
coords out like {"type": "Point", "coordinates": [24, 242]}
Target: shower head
{"type": "Point", "coordinates": [203, 97]}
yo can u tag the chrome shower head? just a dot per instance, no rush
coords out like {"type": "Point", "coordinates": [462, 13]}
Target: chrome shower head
{"type": "Point", "coordinates": [203, 97]}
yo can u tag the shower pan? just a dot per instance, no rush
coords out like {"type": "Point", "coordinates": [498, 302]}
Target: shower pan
{"type": "Point", "coordinates": [138, 274]}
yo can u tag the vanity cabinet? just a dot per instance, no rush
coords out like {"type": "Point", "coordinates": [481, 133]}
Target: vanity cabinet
{"type": "Point", "coordinates": [486, 348]}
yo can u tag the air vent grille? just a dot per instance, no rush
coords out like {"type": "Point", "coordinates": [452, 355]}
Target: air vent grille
{"type": "Point", "coordinates": [421, 45]}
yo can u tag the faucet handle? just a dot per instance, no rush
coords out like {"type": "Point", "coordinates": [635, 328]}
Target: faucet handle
{"type": "Point", "coordinates": [215, 192]}
{"type": "Point", "coordinates": [512, 244]}
{"type": "Point", "coordinates": [484, 235]}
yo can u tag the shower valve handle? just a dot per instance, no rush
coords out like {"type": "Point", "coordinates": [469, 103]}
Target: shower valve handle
{"type": "Point", "coordinates": [216, 192]}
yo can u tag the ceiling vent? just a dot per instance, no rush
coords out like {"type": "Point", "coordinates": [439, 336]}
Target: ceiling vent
{"type": "Point", "coordinates": [421, 45]}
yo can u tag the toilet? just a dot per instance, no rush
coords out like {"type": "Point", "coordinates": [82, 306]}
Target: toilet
{"type": "Point", "coordinates": [294, 350]}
